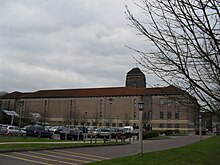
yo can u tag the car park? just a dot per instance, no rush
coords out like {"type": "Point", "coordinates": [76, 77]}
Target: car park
{"type": "Point", "coordinates": [71, 134]}
{"type": "Point", "coordinates": [38, 131]}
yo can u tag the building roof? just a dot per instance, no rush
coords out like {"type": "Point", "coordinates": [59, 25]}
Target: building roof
{"type": "Point", "coordinates": [96, 92]}
{"type": "Point", "coordinates": [13, 95]}
{"type": "Point", "coordinates": [135, 71]}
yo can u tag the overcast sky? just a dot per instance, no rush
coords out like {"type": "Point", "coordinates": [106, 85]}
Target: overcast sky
{"type": "Point", "coordinates": [50, 44]}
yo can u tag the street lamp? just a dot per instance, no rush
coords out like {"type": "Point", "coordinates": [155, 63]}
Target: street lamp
{"type": "Point", "coordinates": [110, 117]}
{"type": "Point", "coordinates": [200, 126]}
{"type": "Point", "coordinates": [45, 105]}
{"type": "Point", "coordinates": [85, 122]}
{"type": "Point", "coordinates": [21, 103]}
{"type": "Point", "coordinates": [141, 108]}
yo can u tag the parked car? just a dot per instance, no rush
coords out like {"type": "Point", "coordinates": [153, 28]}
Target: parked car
{"type": "Point", "coordinates": [93, 132]}
{"type": "Point", "coordinates": [38, 131]}
{"type": "Point", "coordinates": [71, 134]}
{"type": "Point", "coordinates": [53, 129]}
{"type": "Point", "coordinates": [60, 129]}
{"type": "Point", "coordinates": [14, 130]}
{"type": "Point", "coordinates": [82, 128]}
{"type": "Point", "coordinates": [104, 132]}
{"type": "Point", "coordinates": [3, 128]}
{"type": "Point", "coordinates": [129, 129]}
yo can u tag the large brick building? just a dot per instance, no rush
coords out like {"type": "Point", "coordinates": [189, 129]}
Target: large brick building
{"type": "Point", "coordinates": [164, 107]}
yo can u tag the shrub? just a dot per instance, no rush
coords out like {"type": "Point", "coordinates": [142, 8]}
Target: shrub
{"type": "Point", "coordinates": [148, 135]}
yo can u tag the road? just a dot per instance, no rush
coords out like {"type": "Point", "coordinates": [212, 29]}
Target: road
{"type": "Point", "coordinates": [85, 155]}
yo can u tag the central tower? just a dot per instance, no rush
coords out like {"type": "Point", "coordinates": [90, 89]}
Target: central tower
{"type": "Point", "coordinates": [135, 78]}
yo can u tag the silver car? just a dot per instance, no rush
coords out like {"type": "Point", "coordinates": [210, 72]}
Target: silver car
{"type": "Point", "coordinates": [14, 130]}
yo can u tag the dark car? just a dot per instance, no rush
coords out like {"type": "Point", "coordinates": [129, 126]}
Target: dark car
{"type": "Point", "coordinates": [71, 134]}
{"type": "Point", "coordinates": [83, 129]}
{"type": "Point", "coordinates": [38, 131]}
{"type": "Point", "coordinates": [60, 129]}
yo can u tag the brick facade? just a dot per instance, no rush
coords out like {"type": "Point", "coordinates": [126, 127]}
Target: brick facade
{"type": "Point", "coordinates": [164, 107]}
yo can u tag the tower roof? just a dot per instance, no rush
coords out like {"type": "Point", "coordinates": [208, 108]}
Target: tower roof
{"type": "Point", "coordinates": [135, 71]}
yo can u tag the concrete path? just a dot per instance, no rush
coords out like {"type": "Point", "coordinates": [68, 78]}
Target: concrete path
{"type": "Point", "coordinates": [133, 148]}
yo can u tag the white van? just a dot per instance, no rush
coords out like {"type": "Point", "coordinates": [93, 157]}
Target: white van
{"type": "Point", "coordinates": [129, 129]}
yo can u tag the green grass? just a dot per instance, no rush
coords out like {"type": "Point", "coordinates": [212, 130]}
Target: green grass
{"type": "Point", "coordinates": [206, 152]}
{"type": "Point", "coordinates": [4, 138]}
{"type": "Point", "coordinates": [33, 146]}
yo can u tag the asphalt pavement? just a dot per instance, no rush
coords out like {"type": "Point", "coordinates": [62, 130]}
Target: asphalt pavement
{"type": "Point", "coordinates": [85, 155]}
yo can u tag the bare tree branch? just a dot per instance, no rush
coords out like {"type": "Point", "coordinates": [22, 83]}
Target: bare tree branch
{"type": "Point", "coordinates": [186, 39]}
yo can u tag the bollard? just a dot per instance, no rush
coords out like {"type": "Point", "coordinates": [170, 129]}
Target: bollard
{"type": "Point", "coordinates": [95, 139]}
{"type": "Point", "coordinates": [39, 135]}
{"type": "Point", "coordinates": [90, 138]}
{"type": "Point", "coordinates": [84, 138]}
{"type": "Point", "coordinates": [65, 136]}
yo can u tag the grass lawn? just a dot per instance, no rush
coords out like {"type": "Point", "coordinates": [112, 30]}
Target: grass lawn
{"type": "Point", "coordinates": [206, 152]}
{"type": "Point", "coordinates": [5, 138]}
{"type": "Point", "coordinates": [17, 147]}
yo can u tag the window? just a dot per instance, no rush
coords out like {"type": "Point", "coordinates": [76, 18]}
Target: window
{"type": "Point", "coordinates": [162, 101]}
{"type": "Point", "coordinates": [177, 125]}
{"type": "Point", "coordinates": [134, 115]}
{"type": "Point", "coordinates": [135, 102]}
{"type": "Point", "coordinates": [149, 115]}
{"type": "Point", "coordinates": [177, 103]}
{"type": "Point", "coordinates": [169, 115]}
{"type": "Point", "coordinates": [161, 115]}
{"type": "Point", "coordinates": [177, 115]}
{"type": "Point", "coordinates": [170, 102]}
{"type": "Point", "coordinates": [144, 116]}
{"type": "Point", "coordinates": [169, 125]}
{"type": "Point", "coordinates": [161, 125]}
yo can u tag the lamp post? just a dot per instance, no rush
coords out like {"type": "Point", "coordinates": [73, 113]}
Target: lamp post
{"type": "Point", "coordinates": [141, 108]}
{"type": "Point", "coordinates": [45, 105]}
{"type": "Point", "coordinates": [1, 103]}
{"type": "Point", "coordinates": [200, 126]}
{"type": "Point", "coordinates": [21, 103]}
{"type": "Point", "coordinates": [110, 117]}
{"type": "Point", "coordinates": [85, 122]}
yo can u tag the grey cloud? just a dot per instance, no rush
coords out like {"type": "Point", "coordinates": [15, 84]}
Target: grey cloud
{"type": "Point", "coordinates": [64, 44]}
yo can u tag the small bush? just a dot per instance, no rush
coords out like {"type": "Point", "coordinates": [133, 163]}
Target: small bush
{"type": "Point", "coordinates": [148, 135]}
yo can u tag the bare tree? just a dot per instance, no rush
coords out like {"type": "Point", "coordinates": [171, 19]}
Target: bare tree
{"type": "Point", "coordinates": [185, 52]}
{"type": "Point", "coordinates": [127, 119]}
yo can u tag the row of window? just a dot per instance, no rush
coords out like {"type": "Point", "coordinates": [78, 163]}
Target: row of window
{"type": "Point", "coordinates": [169, 125]}
{"type": "Point", "coordinates": [169, 115]}
{"type": "Point", "coordinates": [169, 101]}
